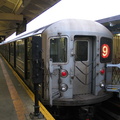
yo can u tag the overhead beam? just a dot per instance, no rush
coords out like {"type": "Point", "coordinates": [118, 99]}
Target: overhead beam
{"type": "Point", "coordinates": [10, 17]}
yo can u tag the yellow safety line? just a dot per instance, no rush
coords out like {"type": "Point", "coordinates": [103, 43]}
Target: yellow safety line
{"type": "Point", "coordinates": [17, 102]}
{"type": "Point", "coordinates": [43, 110]}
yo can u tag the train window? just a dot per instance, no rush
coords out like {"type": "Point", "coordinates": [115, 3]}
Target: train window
{"type": "Point", "coordinates": [105, 50]}
{"type": "Point", "coordinates": [58, 49]}
{"type": "Point", "coordinates": [20, 50]}
{"type": "Point", "coordinates": [12, 49]}
{"type": "Point", "coordinates": [81, 50]}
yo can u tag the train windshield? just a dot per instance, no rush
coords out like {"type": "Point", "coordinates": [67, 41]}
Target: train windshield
{"type": "Point", "coordinates": [58, 49]}
{"type": "Point", "coordinates": [81, 48]}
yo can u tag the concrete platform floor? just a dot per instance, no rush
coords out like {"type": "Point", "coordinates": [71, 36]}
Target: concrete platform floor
{"type": "Point", "coordinates": [15, 103]}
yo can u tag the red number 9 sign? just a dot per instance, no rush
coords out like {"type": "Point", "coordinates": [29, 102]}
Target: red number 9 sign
{"type": "Point", "coordinates": [105, 50]}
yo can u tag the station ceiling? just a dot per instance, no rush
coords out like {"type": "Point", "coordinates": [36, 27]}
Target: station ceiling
{"type": "Point", "coordinates": [14, 12]}
{"type": "Point", "coordinates": [112, 23]}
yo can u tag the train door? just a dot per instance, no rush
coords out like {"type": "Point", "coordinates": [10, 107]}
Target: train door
{"type": "Point", "coordinates": [60, 84]}
{"type": "Point", "coordinates": [83, 48]}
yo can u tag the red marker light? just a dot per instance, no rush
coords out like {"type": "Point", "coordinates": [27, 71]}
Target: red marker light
{"type": "Point", "coordinates": [64, 73]}
{"type": "Point", "coordinates": [102, 71]}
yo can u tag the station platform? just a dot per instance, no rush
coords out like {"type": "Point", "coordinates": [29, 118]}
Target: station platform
{"type": "Point", "coordinates": [15, 103]}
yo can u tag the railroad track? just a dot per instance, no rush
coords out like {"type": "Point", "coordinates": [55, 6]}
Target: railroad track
{"type": "Point", "coordinates": [109, 110]}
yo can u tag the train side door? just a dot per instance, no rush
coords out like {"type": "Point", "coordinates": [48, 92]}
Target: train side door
{"type": "Point", "coordinates": [59, 65]}
{"type": "Point", "coordinates": [83, 65]}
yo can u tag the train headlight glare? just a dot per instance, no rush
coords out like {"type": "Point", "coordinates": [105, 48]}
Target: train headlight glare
{"type": "Point", "coordinates": [63, 87]}
{"type": "Point", "coordinates": [102, 85]}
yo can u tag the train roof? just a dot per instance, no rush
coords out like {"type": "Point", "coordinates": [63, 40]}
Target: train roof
{"type": "Point", "coordinates": [66, 24]}
{"type": "Point", "coordinates": [26, 34]}
{"type": "Point", "coordinates": [78, 26]}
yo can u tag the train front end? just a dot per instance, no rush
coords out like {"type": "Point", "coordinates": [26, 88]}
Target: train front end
{"type": "Point", "coordinates": [75, 57]}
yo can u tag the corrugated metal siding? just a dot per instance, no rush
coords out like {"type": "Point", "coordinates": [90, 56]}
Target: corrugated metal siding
{"type": "Point", "coordinates": [116, 59]}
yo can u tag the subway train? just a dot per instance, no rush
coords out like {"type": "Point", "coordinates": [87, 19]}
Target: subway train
{"type": "Point", "coordinates": [67, 58]}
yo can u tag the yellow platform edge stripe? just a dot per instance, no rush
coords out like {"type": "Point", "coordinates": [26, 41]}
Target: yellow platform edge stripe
{"type": "Point", "coordinates": [43, 110]}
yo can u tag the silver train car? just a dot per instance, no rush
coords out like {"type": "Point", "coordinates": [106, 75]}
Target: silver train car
{"type": "Point", "coordinates": [74, 56]}
{"type": "Point", "coordinates": [76, 52]}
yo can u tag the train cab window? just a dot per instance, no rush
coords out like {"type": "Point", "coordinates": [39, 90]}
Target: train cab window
{"type": "Point", "coordinates": [58, 49]}
{"type": "Point", "coordinates": [81, 50]}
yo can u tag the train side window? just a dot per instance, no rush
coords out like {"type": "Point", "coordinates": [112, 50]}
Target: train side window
{"type": "Point", "coordinates": [20, 49]}
{"type": "Point", "coordinates": [81, 50]}
{"type": "Point", "coordinates": [12, 49]}
{"type": "Point", "coordinates": [58, 49]}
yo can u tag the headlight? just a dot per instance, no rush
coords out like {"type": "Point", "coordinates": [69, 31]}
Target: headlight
{"type": "Point", "coordinates": [63, 87]}
{"type": "Point", "coordinates": [102, 85]}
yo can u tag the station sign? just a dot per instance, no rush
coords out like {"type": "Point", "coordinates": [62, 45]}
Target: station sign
{"type": "Point", "coordinates": [21, 27]}
{"type": "Point", "coordinates": [105, 50]}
